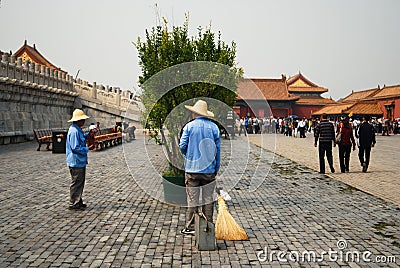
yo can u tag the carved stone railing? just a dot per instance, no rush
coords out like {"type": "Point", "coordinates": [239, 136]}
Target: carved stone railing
{"type": "Point", "coordinates": [34, 96]}
{"type": "Point", "coordinates": [112, 97]}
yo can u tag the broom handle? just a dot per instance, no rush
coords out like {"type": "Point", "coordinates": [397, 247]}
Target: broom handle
{"type": "Point", "coordinates": [191, 219]}
{"type": "Point", "coordinates": [201, 214]}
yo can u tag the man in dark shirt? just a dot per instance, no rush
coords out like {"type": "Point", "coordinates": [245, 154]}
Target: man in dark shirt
{"type": "Point", "coordinates": [366, 140]}
{"type": "Point", "coordinates": [325, 132]}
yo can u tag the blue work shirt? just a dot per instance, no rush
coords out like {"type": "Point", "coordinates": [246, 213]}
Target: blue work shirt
{"type": "Point", "coordinates": [76, 149]}
{"type": "Point", "coordinates": [201, 145]}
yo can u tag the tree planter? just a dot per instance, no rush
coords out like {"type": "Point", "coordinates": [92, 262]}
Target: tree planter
{"type": "Point", "coordinates": [175, 190]}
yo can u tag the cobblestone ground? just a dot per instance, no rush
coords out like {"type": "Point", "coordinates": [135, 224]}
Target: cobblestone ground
{"type": "Point", "coordinates": [382, 178]}
{"type": "Point", "coordinates": [294, 209]}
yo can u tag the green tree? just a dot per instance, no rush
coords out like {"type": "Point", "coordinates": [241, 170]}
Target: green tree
{"type": "Point", "coordinates": [165, 92]}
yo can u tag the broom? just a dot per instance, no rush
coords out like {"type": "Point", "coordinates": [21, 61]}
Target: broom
{"type": "Point", "coordinates": [226, 227]}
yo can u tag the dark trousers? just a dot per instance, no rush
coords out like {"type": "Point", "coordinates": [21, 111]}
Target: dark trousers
{"type": "Point", "coordinates": [77, 184]}
{"type": "Point", "coordinates": [242, 127]}
{"type": "Point", "coordinates": [325, 148]}
{"type": "Point", "coordinates": [194, 183]}
{"type": "Point", "coordinates": [344, 157]}
{"type": "Point", "coordinates": [364, 151]}
{"type": "Point", "coordinates": [302, 131]}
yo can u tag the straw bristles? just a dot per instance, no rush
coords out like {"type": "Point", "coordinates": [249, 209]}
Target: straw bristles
{"type": "Point", "coordinates": [226, 227]}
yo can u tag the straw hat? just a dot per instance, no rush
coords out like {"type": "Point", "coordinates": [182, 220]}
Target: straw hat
{"type": "Point", "coordinates": [200, 107]}
{"type": "Point", "coordinates": [78, 115]}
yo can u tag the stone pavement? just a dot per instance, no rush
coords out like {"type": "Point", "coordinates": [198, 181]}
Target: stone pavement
{"type": "Point", "coordinates": [294, 209]}
{"type": "Point", "coordinates": [381, 180]}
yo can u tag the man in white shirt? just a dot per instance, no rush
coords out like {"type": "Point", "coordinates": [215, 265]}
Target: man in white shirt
{"type": "Point", "coordinates": [302, 128]}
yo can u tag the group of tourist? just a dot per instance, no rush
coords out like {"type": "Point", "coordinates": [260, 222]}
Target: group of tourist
{"type": "Point", "coordinates": [385, 126]}
{"type": "Point", "coordinates": [326, 135]}
{"type": "Point", "coordinates": [294, 127]}
{"type": "Point", "coordinates": [288, 126]}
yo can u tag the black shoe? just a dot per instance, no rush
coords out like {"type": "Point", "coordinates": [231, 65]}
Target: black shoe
{"type": "Point", "coordinates": [187, 231]}
{"type": "Point", "coordinates": [347, 170]}
{"type": "Point", "coordinates": [81, 204]}
{"type": "Point", "coordinates": [321, 172]}
{"type": "Point", "coordinates": [76, 207]}
{"type": "Point", "coordinates": [332, 170]}
{"type": "Point", "coordinates": [364, 169]}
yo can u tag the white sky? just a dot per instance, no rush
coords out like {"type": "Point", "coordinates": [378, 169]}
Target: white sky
{"type": "Point", "coordinates": [342, 45]}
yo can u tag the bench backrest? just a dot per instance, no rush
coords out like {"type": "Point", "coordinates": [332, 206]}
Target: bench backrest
{"type": "Point", "coordinates": [39, 133]}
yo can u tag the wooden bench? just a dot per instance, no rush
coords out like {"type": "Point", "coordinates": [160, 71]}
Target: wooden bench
{"type": "Point", "coordinates": [43, 136]}
{"type": "Point", "coordinates": [107, 140]}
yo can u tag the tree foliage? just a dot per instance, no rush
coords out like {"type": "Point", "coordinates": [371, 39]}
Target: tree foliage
{"type": "Point", "coordinates": [163, 48]}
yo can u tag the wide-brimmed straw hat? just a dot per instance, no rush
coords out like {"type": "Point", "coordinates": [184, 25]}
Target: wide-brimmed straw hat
{"type": "Point", "coordinates": [200, 108]}
{"type": "Point", "coordinates": [77, 115]}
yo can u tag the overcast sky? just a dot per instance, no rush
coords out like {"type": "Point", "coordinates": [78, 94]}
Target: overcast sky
{"type": "Point", "coordinates": [342, 45]}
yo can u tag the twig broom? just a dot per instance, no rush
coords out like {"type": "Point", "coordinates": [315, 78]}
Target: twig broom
{"type": "Point", "coordinates": [226, 227]}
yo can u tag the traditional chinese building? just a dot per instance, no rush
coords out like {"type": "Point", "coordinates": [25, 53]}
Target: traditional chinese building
{"type": "Point", "coordinates": [263, 97]}
{"type": "Point", "coordinates": [386, 98]}
{"type": "Point", "coordinates": [310, 99]}
{"type": "Point", "coordinates": [29, 53]}
{"type": "Point", "coordinates": [280, 97]}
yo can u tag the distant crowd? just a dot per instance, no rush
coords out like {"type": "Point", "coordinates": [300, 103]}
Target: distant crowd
{"type": "Point", "coordinates": [298, 127]}
{"type": "Point", "coordinates": [383, 126]}
{"type": "Point", "coordinates": [327, 133]}
{"type": "Point", "coordinates": [288, 126]}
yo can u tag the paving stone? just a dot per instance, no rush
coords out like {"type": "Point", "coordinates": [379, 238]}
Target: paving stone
{"type": "Point", "coordinates": [293, 209]}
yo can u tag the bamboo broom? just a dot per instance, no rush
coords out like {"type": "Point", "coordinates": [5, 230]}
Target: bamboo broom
{"type": "Point", "coordinates": [226, 227]}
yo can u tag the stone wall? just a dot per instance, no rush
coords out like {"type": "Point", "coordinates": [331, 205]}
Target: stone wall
{"type": "Point", "coordinates": [108, 104]}
{"type": "Point", "coordinates": [31, 97]}
{"type": "Point", "coordinates": [35, 97]}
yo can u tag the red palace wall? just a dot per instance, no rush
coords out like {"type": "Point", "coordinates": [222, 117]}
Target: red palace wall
{"type": "Point", "coordinates": [397, 109]}
{"type": "Point", "coordinates": [281, 112]}
{"type": "Point", "coordinates": [396, 112]}
{"type": "Point", "coordinates": [305, 111]}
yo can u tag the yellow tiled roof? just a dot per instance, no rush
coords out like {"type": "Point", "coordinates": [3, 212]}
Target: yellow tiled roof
{"type": "Point", "coordinates": [359, 95]}
{"type": "Point", "coordinates": [371, 108]}
{"type": "Point", "coordinates": [308, 100]}
{"type": "Point", "coordinates": [387, 92]}
{"type": "Point", "coordinates": [259, 88]}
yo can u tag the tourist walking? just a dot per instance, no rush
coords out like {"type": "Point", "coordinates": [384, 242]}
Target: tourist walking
{"type": "Point", "coordinates": [267, 125]}
{"type": "Point", "coordinates": [76, 154]}
{"type": "Point", "coordinates": [302, 128]}
{"type": "Point", "coordinates": [345, 144]}
{"type": "Point", "coordinates": [256, 125]}
{"type": "Point", "coordinates": [243, 126]}
{"type": "Point", "coordinates": [276, 122]}
{"type": "Point", "coordinates": [98, 128]}
{"type": "Point", "coordinates": [325, 133]}
{"type": "Point", "coordinates": [366, 140]}
{"type": "Point", "coordinates": [386, 127]}
{"type": "Point", "coordinates": [295, 127]}
{"type": "Point", "coordinates": [200, 144]}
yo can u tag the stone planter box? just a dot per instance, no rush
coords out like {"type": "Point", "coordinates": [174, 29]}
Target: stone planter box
{"type": "Point", "coordinates": [175, 190]}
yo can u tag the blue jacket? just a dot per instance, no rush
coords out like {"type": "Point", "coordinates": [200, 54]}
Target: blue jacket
{"type": "Point", "coordinates": [76, 149]}
{"type": "Point", "coordinates": [201, 145]}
